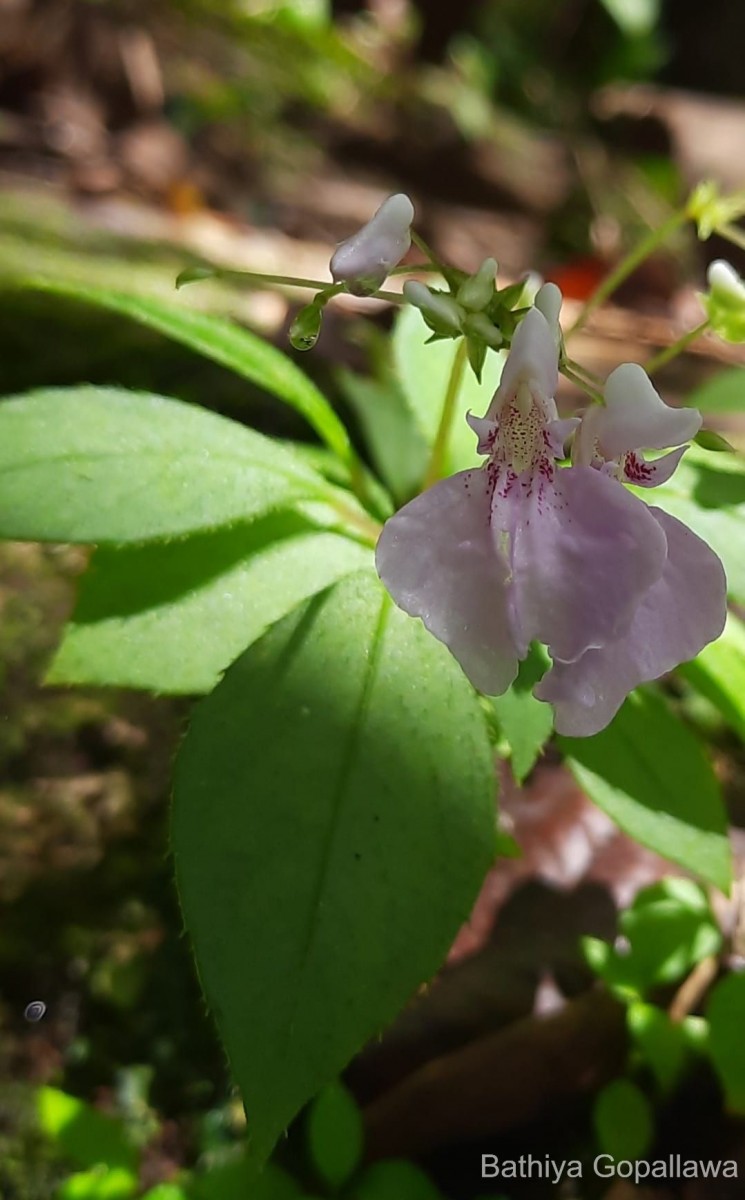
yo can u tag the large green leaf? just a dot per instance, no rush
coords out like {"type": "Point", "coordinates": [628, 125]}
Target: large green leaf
{"type": "Point", "coordinates": [103, 465]}
{"type": "Point", "coordinates": [222, 341]}
{"type": "Point", "coordinates": [707, 493]}
{"type": "Point", "coordinates": [397, 447]}
{"type": "Point", "coordinates": [423, 372]}
{"type": "Point", "coordinates": [719, 673]}
{"type": "Point", "coordinates": [172, 617]}
{"type": "Point", "coordinates": [649, 773]}
{"type": "Point", "coordinates": [333, 821]}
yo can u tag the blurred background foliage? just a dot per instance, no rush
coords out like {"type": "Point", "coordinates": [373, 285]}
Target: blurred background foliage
{"type": "Point", "coordinates": [138, 137]}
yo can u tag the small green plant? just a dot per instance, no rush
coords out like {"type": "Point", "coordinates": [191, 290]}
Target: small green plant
{"type": "Point", "coordinates": [334, 808]}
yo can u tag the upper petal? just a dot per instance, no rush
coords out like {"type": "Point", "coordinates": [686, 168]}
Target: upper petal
{"type": "Point", "coordinates": [583, 552]}
{"type": "Point", "coordinates": [533, 359]}
{"type": "Point", "coordinates": [438, 560]}
{"type": "Point", "coordinates": [683, 611]}
{"type": "Point", "coordinates": [635, 416]}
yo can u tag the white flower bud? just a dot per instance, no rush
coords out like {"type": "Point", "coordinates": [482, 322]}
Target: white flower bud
{"type": "Point", "coordinates": [725, 284]}
{"type": "Point", "coordinates": [725, 303]}
{"type": "Point", "coordinates": [365, 259]}
{"type": "Point", "coordinates": [548, 301]}
{"type": "Point", "coordinates": [440, 311]}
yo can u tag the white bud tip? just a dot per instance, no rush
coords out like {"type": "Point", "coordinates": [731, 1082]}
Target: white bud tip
{"type": "Point", "coordinates": [722, 277]}
{"type": "Point", "coordinates": [396, 212]}
{"type": "Point", "coordinates": [548, 301]}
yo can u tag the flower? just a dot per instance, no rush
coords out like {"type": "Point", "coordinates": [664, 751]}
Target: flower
{"type": "Point", "coordinates": [365, 259]}
{"type": "Point", "coordinates": [523, 549]}
{"type": "Point", "coordinates": [686, 607]}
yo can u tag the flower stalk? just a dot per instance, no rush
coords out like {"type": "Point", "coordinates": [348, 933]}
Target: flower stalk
{"type": "Point", "coordinates": [436, 466]}
{"type": "Point", "coordinates": [672, 351]}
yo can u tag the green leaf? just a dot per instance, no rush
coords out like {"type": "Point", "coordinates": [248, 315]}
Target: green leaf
{"type": "Point", "coordinates": [707, 493]}
{"type": "Point", "coordinates": [397, 447]}
{"type": "Point", "coordinates": [99, 1183]}
{"type": "Point", "coordinates": [423, 372]}
{"type": "Point", "coordinates": [670, 927]}
{"type": "Point", "coordinates": [333, 822]}
{"type": "Point", "coordinates": [94, 464]}
{"type": "Point", "coordinates": [220, 340]}
{"type": "Point", "coordinates": [648, 772]}
{"type": "Point", "coordinates": [335, 1135]}
{"type": "Point", "coordinates": [665, 1045]}
{"type": "Point", "coordinates": [525, 722]}
{"type": "Point", "coordinates": [725, 1013]}
{"type": "Point", "coordinates": [394, 1179]}
{"type": "Point", "coordinates": [709, 439]}
{"type": "Point", "coordinates": [624, 1121]}
{"type": "Point", "coordinates": [724, 392]}
{"type": "Point", "coordinates": [89, 1137]}
{"type": "Point", "coordinates": [718, 672]}
{"type": "Point", "coordinates": [172, 617]}
{"type": "Point", "coordinates": [668, 930]}
{"type": "Point", "coordinates": [237, 1179]}
{"type": "Point", "coordinates": [166, 1191]}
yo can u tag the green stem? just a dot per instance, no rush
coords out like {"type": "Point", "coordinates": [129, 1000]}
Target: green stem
{"type": "Point", "coordinates": [329, 289]}
{"type": "Point", "coordinates": [588, 376]}
{"type": "Point", "coordinates": [676, 348]}
{"type": "Point", "coordinates": [442, 437]}
{"type": "Point", "coordinates": [415, 268]}
{"type": "Point", "coordinates": [367, 526]}
{"type": "Point", "coordinates": [264, 277]}
{"type": "Point", "coordinates": [627, 265]}
{"type": "Point", "coordinates": [582, 384]}
{"type": "Point", "coordinates": [420, 244]}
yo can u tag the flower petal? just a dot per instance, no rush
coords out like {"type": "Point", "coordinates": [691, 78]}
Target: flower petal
{"type": "Point", "coordinates": [683, 611]}
{"type": "Point", "coordinates": [438, 560]}
{"type": "Point", "coordinates": [583, 553]}
{"type": "Point", "coordinates": [637, 470]}
{"type": "Point", "coordinates": [635, 415]}
{"type": "Point", "coordinates": [533, 359]}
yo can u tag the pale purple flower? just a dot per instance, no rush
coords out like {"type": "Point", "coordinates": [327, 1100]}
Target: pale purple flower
{"type": "Point", "coordinates": [365, 259]}
{"type": "Point", "coordinates": [686, 607]}
{"type": "Point", "coordinates": [523, 549]}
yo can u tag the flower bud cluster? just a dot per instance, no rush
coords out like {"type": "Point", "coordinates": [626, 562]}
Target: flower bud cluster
{"type": "Point", "coordinates": [474, 308]}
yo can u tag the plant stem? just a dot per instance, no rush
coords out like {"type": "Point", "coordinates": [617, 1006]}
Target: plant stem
{"type": "Point", "coordinates": [430, 254]}
{"type": "Point", "coordinates": [627, 265]}
{"type": "Point", "coordinates": [439, 448]}
{"type": "Point", "coordinates": [359, 521]}
{"type": "Point", "coordinates": [414, 268]}
{"type": "Point", "coordinates": [676, 348]}
{"type": "Point", "coordinates": [589, 376]}
{"type": "Point", "coordinates": [581, 383]}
